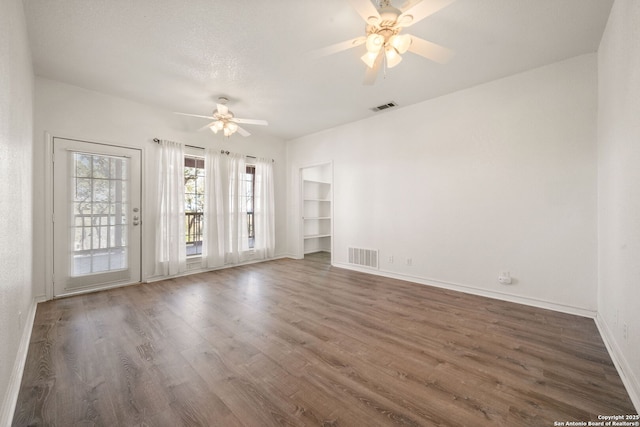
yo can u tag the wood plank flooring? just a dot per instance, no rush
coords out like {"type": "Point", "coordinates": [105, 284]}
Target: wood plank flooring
{"type": "Point", "coordinates": [296, 343]}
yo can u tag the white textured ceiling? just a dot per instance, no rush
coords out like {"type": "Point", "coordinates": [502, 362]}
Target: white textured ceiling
{"type": "Point", "coordinates": [181, 55]}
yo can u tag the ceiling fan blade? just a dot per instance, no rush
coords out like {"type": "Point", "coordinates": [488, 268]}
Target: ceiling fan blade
{"type": "Point", "coordinates": [372, 73]}
{"type": "Point", "coordinates": [194, 115]}
{"type": "Point", "coordinates": [338, 47]}
{"type": "Point", "coordinates": [367, 10]}
{"type": "Point", "coordinates": [243, 131]}
{"type": "Point", "coordinates": [250, 121]}
{"type": "Point", "coordinates": [207, 126]}
{"type": "Point", "coordinates": [430, 50]}
{"type": "Point", "coordinates": [417, 12]}
{"type": "Point", "coordinates": [223, 109]}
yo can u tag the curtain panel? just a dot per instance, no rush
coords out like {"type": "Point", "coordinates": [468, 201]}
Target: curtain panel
{"type": "Point", "coordinates": [264, 209]}
{"type": "Point", "coordinates": [227, 207]}
{"type": "Point", "coordinates": [170, 239]}
{"type": "Point", "coordinates": [237, 231]}
{"type": "Point", "coordinates": [213, 234]}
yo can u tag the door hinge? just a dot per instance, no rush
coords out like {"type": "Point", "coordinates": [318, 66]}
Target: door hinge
{"type": "Point", "coordinates": [53, 217]}
{"type": "Point", "coordinates": [53, 157]}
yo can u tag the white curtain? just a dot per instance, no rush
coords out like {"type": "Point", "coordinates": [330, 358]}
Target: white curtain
{"type": "Point", "coordinates": [213, 235]}
{"type": "Point", "coordinates": [236, 226]}
{"type": "Point", "coordinates": [264, 212]}
{"type": "Point", "coordinates": [227, 203]}
{"type": "Point", "coordinates": [170, 244]}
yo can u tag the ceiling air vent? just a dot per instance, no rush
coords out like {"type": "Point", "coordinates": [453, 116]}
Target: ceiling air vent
{"type": "Point", "coordinates": [385, 106]}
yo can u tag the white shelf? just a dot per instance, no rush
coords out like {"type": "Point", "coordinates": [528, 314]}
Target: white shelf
{"type": "Point", "coordinates": [316, 215]}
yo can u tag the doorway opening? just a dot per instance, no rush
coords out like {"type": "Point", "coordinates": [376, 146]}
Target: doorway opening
{"type": "Point", "coordinates": [316, 196]}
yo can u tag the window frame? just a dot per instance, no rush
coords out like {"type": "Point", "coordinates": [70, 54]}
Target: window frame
{"type": "Point", "coordinates": [250, 169]}
{"type": "Point", "coordinates": [198, 158]}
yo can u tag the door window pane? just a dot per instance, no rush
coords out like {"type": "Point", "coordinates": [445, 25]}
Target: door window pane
{"type": "Point", "coordinates": [99, 208]}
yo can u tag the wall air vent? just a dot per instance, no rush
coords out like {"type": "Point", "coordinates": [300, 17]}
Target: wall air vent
{"type": "Point", "coordinates": [385, 106]}
{"type": "Point", "coordinates": [363, 257]}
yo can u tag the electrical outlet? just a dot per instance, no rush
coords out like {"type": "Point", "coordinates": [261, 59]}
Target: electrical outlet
{"type": "Point", "coordinates": [409, 261]}
{"type": "Point", "coordinates": [390, 259]}
{"type": "Point", "coordinates": [504, 277]}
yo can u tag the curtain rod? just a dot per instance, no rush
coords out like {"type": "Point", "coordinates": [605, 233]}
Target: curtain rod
{"type": "Point", "coordinates": [246, 155]}
{"type": "Point", "coordinates": [221, 151]}
{"type": "Point", "coordinates": [190, 146]}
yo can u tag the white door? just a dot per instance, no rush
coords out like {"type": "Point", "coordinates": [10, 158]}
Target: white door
{"type": "Point", "coordinates": [96, 203]}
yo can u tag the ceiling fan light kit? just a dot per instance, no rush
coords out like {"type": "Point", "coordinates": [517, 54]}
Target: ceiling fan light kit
{"type": "Point", "coordinates": [384, 41]}
{"type": "Point", "coordinates": [382, 33]}
{"type": "Point", "coordinates": [225, 121]}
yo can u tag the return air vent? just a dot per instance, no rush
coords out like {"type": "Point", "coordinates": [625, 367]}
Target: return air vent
{"type": "Point", "coordinates": [363, 257]}
{"type": "Point", "coordinates": [385, 106]}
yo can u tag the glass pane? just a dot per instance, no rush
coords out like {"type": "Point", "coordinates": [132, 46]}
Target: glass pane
{"type": "Point", "coordinates": [100, 261]}
{"type": "Point", "coordinates": [118, 169]}
{"type": "Point", "coordinates": [194, 203]}
{"type": "Point", "coordinates": [118, 258]}
{"type": "Point", "coordinates": [82, 165]}
{"type": "Point", "coordinates": [86, 239]}
{"type": "Point", "coordinates": [119, 236]}
{"type": "Point", "coordinates": [82, 208]}
{"type": "Point", "coordinates": [101, 167]}
{"type": "Point", "coordinates": [77, 238]}
{"type": "Point", "coordinates": [82, 190]}
{"type": "Point", "coordinates": [95, 238]}
{"type": "Point", "coordinates": [101, 190]}
{"type": "Point", "coordinates": [99, 209]}
{"type": "Point", "coordinates": [81, 264]}
{"type": "Point", "coordinates": [99, 212]}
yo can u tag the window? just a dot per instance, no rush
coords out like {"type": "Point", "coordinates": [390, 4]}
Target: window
{"type": "Point", "coordinates": [250, 182]}
{"type": "Point", "coordinates": [193, 203]}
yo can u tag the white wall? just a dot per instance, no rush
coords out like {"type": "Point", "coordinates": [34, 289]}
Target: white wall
{"type": "Point", "coordinates": [16, 144]}
{"type": "Point", "coordinates": [64, 110]}
{"type": "Point", "coordinates": [501, 176]}
{"type": "Point", "coordinates": [619, 189]}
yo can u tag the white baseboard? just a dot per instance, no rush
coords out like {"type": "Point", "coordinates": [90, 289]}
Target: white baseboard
{"type": "Point", "coordinates": [11, 398]}
{"type": "Point", "coordinates": [475, 291]}
{"type": "Point", "coordinates": [627, 375]}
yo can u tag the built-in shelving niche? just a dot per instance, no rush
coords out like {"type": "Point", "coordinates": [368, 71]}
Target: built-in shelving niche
{"type": "Point", "coordinates": [316, 208]}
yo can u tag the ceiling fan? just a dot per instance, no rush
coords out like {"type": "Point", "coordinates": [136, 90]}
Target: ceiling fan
{"type": "Point", "coordinates": [384, 41]}
{"type": "Point", "coordinates": [225, 121]}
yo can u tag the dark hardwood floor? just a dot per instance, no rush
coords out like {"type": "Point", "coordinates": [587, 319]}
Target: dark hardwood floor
{"type": "Point", "coordinates": [301, 343]}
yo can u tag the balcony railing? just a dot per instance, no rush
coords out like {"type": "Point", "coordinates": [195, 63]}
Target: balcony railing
{"type": "Point", "coordinates": [193, 232]}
